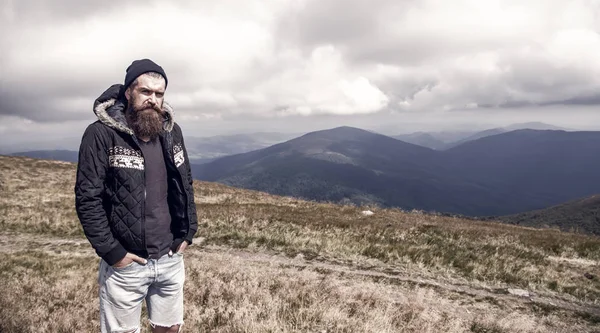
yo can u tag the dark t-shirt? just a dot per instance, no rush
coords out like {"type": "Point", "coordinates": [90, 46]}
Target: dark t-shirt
{"type": "Point", "coordinates": [158, 219]}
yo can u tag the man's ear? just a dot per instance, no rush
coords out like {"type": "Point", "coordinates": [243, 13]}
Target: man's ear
{"type": "Point", "coordinates": [127, 94]}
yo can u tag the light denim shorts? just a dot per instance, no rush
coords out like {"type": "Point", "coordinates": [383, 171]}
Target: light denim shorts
{"type": "Point", "coordinates": [122, 291]}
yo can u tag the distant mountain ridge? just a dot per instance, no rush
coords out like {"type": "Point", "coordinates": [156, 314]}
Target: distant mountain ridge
{"type": "Point", "coordinates": [447, 140]}
{"type": "Point", "coordinates": [497, 175]}
{"type": "Point", "coordinates": [202, 149]}
{"type": "Point", "coordinates": [501, 174]}
{"type": "Point", "coordinates": [60, 155]}
{"type": "Point", "coordinates": [422, 139]}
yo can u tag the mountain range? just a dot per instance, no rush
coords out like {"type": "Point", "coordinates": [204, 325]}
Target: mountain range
{"type": "Point", "coordinates": [59, 155]}
{"type": "Point", "coordinates": [501, 174]}
{"type": "Point", "coordinates": [448, 139]}
{"type": "Point", "coordinates": [490, 173]}
{"type": "Point", "coordinates": [207, 149]}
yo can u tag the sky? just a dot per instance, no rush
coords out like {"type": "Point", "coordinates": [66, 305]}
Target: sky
{"type": "Point", "coordinates": [392, 66]}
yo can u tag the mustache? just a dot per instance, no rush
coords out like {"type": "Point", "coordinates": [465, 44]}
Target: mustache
{"type": "Point", "coordinates": [149, 106]}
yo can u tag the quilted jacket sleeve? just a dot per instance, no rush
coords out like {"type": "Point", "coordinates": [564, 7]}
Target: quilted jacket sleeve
{"type": "Point", "coordinates": [89, 192]}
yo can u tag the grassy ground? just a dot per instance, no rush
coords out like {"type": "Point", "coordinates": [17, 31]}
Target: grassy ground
{"type": "Point", "coordinates": [270, 264]}
{"type": "Point", "coordinates": [48, 289]}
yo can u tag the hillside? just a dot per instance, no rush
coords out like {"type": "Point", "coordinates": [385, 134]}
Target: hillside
{"type": "Point", "coordinates": [499, 130]}
{"type": "Point", "coordinates": [267, 263]}
{"type": "Point", "coordinates": [581, 215]}
{"type": "Point", "coordinates": [540, 168]}
{"type": "Point", "coordinates": [502, 174]}
{"type": "Point", "coordinates": [343, 165]}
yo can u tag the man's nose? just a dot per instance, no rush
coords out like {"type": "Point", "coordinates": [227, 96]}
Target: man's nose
{"type": "Point", "coordinates": [153, 99]}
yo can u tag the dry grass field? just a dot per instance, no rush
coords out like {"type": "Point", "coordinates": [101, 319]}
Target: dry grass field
{"type": "Point", "coordinates": [263, 263]}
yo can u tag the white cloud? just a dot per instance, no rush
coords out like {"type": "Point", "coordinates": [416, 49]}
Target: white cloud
{"type": "Point", "coordinates": [273, 58]}
{"type": "Point", "coordinates": [205, 97]}
{"type": "Point", "coordinates": [325, 84]}
{"type": "Point", "coordinates": [438, 55]}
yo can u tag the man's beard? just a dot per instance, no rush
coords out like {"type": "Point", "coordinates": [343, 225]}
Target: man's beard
{"type": "Point", "coordinates": [147, 121]}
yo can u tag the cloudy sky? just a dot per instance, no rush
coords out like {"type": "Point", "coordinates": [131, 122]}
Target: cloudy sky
{"type": "Point", "coordinates": [234, 66]}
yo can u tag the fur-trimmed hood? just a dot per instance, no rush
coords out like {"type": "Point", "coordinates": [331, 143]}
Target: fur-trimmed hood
{"type": "Point", "coordinates": [110, 110]}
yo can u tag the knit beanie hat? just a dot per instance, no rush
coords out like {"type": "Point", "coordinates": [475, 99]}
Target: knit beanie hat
{"type": "Point", "coordinates": [139, 67]}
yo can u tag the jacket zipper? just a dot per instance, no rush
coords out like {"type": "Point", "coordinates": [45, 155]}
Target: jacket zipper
{"type": "Point", "coordinates": [144, 202]}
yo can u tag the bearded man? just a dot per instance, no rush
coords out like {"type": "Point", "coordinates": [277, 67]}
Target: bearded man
{"type": "Point", "coordinates": [135, 201]}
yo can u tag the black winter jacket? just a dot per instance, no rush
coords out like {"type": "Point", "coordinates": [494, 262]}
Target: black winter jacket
{"type": "Point", "coordinates": [110, 185]}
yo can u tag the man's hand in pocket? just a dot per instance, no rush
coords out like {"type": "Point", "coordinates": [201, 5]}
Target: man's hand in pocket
{"type": "Point", "coordinates": [180, 249]}
{"type": "Point", "coordinates": [128, 259]}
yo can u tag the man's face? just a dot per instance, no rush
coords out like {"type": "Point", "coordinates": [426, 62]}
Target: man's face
{"type": "Point", "coordinates": [147, 93]}
{"type": "Point", "coordinates": [144, 105]}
